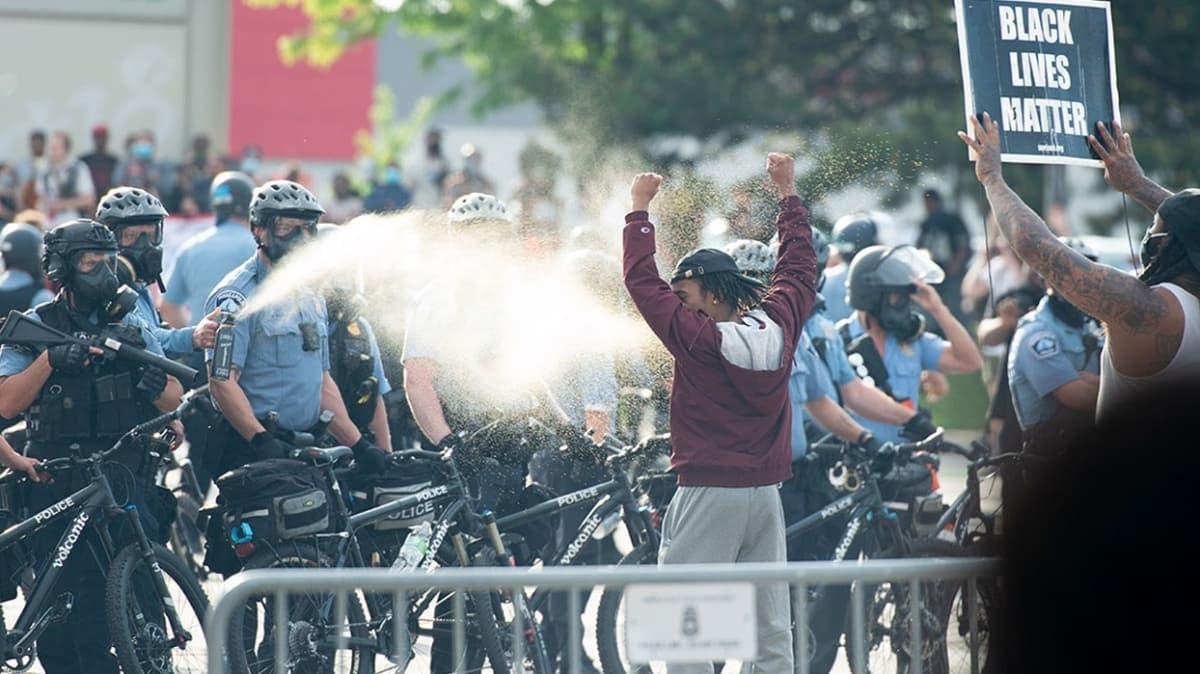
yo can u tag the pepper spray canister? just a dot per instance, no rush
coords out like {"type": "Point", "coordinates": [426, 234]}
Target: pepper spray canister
{"type": "Point", "coordinates": [222, 361]}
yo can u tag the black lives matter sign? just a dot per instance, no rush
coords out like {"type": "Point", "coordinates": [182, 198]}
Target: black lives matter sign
{"type": "Point", "coordinates": [1043, 70]}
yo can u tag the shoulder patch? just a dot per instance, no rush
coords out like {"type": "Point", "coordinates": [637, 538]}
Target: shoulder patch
{"type": "Point", "coordinates": [229, 299]}
{"type": "Point", "coordinates": [1044, 344]}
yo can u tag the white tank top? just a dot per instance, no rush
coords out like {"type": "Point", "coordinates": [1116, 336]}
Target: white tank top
{"type": "Point", "coordinates": [1185, 366]}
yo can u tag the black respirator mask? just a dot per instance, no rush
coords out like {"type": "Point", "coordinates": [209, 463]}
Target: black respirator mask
{"type": "Point", "coordinates": [344, 303]}
{"type": "Point", "coordinates": [145, 257]}
{"type": "Point", "coordinates": [276, 246]}
{"type": "Point", "coordinates": [900, 320]}
{"type": "Point", "coordinates": [100, 290]}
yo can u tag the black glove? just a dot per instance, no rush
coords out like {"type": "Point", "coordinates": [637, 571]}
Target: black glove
{"type": "Point", "coordinates": [579, 446]}
{"type": "Point", "coordinates": [268, 446]}
{"type": "Point", "coordinates": [67, 358]}
{"type": "Point", "coordinates": [919, 427]}
{"type": "Point", "coordinates": [369, 457]}
{"type": "Point", "coordinates": [452, 441]}
{"type": "Point", "coordinates": [870, 443]}
{"type": "Point", "coordinates": [152, 383]}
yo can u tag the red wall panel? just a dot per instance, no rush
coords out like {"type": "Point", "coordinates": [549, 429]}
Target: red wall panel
{"type": "Point", "coordinates": [293, 111]}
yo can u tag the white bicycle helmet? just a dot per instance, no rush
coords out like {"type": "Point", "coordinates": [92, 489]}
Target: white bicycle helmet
{"type": "Point", "coordinates": [478, 206]}
{"type": "Point", "coordinates": [753, 258]}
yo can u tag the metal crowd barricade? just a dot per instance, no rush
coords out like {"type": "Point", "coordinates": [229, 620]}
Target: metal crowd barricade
{"type": "Point", "coordinates": [280, 582]}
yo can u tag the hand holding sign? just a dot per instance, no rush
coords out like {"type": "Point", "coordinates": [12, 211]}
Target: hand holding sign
{"type": "Point", "coordinates": [1121, 168]}
{"type": "Point", "coordinates": [986, 145]}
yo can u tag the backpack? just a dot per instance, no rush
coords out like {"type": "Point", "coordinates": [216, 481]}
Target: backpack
{"type": "Point", "coordinates": [275, 499]}
{"type": "Point", "coordinates": [398, 481]}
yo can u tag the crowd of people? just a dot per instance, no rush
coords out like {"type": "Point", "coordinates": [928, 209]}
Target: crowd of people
{"type": "Point", "coordinates": [773, 341]}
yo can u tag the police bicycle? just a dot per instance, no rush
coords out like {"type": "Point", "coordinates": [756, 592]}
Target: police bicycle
{"type": "Point", "coordinates": [460, 536]}
{"type": "Point", "coordinates": [155, 606]}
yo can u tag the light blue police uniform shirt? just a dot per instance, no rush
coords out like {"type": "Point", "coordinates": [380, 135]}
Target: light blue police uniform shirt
{"type": "Point", "coordinates": [1046, 354]}
{"type": "Point", "coordinates": [203, 261]}
{"type": "Point", "coordinates": [819, 327]}
{"type": "Point", "coordinates": [275, 372]}
{"type": "Point", "coordinates": [14, 359]}
{"type": "Point", "coordinates": [14, 279]}
{"type": "Point", "coordinates": [808, 381]}
{"type": "Point", "coordinates": [174, 341]}
{"type": "Point", "coordinates": [589, 383]}
{"type": "Point", "coordinates": [834, 292]}
{"type": "Point", "coordinates": [904, 363]}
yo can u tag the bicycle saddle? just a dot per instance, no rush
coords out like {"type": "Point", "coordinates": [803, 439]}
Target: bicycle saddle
{"type": "Point", "coordinates": [323, 455]}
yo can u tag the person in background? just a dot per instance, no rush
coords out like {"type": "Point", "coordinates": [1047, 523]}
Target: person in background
{"type": "Point", "coordinates": [10, 192]}
{"type": "Point", "coordinates": [469, 179]}
{"type": "Point", "coordinates": [1054, 369]}
{"type": "Point", "coordinates": [251, 161]}
{"type": "Point", "coordinates": [32, 216]}
{"type": "Point", "coordinates": [1003, 432]}
{"type": "Point", "coordinates": [201, 166]}
{"type": "Point", "coordinates": [429, 173]}
{"type": "Point", "coordinates": [887, 334]}
{"type": "Point", "coordinates": [140, 169]}
{"type": "Point", "coordinates": [28, 168]}
{"type": "Point", "coordinates": [389, 194]}
{"type": "Point", "coordinates": [945, 236]}
{"type": "Point", "coordinates": [851, 233]}
{"type": "Point", "coordinates": [997, 264]}
{"type": "Point", "coordinates": [21, 286]}
{"type": "Point", "coordinates": [346, 203]}
{"type": "Point", "coordinates": [539, 210]}
{"type": "Point", "coordinates": [100, 161]}
{"type": "Point", "coordinates": [64, 187]}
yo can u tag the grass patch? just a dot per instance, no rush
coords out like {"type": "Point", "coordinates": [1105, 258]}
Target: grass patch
{"type": "Point", "coordinates": [965, 406]}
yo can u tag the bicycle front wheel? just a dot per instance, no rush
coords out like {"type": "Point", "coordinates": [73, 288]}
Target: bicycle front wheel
{"type": "Point", "coordinates": [495, 614]}
{"type": "Point", "coordinates": [144, 638]}
{"type": "Point", "coordinates": [610, 619]}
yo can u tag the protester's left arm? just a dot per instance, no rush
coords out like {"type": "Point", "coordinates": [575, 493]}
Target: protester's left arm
{"type": "Point", "coordinates": [794, 282]}
{"type": "Point", "coordinates": [1143, 320]}
{"type": "Point", "coordinates": [1122, 170]}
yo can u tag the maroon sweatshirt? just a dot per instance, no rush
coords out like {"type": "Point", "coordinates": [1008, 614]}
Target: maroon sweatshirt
{"type": "Point", "coordinates": [730, 427]}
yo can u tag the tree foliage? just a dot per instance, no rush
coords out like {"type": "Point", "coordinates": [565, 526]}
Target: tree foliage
{"type": "Point", "coordinates": [877, 74]}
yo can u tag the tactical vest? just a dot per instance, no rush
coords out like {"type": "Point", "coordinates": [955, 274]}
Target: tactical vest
{"type": "Point", "coordinates": [864, 347]}
{"type": "Point", "coordinates": [100, 403]}
{"type": "Point", "coordinates": [18, 299]}
{"type": "Point", "coordinates": [353, 370]}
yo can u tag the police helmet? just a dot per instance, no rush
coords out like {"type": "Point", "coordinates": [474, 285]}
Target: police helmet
{"type": "Point", "coordinates": [878, 270]}
{"type": "Point", "coordinates": [129, 205]}
{"type": "Point", "coordinates": [230, 194]}
{"type": "Point", "coordinates": [1079, 246]}
{"type": "Point", "coordinates": [821, 248]}
{"type": "Point", "coordinates": [21, 246]}
{"type": "Point", "coordinates": [753, 258]}
{"type": "Point", "coordinates": [854, 232]}
{"type": "Point", "coordinates": [69, 238]}
{"type": "Point", "coordinates": [477, 206]}
{"type": "Point", "coordinates": [282, 197]}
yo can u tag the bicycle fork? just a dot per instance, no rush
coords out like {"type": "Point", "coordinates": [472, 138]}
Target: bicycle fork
{"type": "Point", "coordinates": [182, 635]}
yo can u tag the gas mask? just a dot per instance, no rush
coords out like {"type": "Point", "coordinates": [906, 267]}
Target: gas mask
{"type": "Point", "coordinates": [100, 290]}
{"type": "Point", "coordinates": [145, 256]}
{"type": "Point", "coordinates": [900, 320]}
{"type": "Point", "coordinates": [343, 302]}
{"type": "Point", "coordinates": [276, 246]}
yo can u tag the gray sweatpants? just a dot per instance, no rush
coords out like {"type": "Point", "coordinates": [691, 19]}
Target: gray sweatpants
{"type": "Point", "coordinates": [725, 525]}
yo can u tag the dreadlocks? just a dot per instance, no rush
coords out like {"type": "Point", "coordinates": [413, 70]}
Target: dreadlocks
{"type": "Point", "coordinates": [742, 292]}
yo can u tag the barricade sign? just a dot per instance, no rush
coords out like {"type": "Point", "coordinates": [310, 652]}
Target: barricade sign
{"type": "Point", "coordinates": [709, 622]}
{"type": "Point", "coordinates": [1045, 71]}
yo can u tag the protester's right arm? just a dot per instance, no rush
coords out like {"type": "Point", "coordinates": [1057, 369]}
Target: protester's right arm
{"type": "Point", "coordinates": [235, 407]}
{"type": "Point", "coordinates": [682, 331]}
{"type": "Point", "coordinates": [18, 391]}
{"type": "Point", "coordinates": [1121, 168]}
{"type": "Point", "coordinates": [419, 374]}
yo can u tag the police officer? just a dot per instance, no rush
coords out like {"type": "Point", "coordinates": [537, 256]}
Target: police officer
{"type": "Point", "coordinates": [280, 356]}
{"type": "Point", "coordinates": [207, 257]}
{"type": "Point", "coordinates": [851, 234]}
{"type": "Point", "coordinates": [70, 398]}
{"type": "Point", "coordinates": [1054, 368]}
{"type": "Point", "coordinates": [886, 340]}
{"type": "Point", "coordinates": [21, 285]}
{"type": "Point", "coordinates": [136, 219]}
{"type": "Point", "coordinates": [355, 361]}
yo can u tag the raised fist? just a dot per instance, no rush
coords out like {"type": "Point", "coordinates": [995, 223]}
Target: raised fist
{"type": "Point", "coordinates": [643, 189]}
{"type": "Point", "coordinates": [782, 169]}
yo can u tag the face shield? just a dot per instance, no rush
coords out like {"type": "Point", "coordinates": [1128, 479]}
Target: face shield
{"type": "Point", "coordinates": [921, 267]}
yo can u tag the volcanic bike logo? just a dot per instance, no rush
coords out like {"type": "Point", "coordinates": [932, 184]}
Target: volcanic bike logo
{"type": "Point", "coordinates": [72, 538]}
{"type": "Point", "coordinates": [584, 534]}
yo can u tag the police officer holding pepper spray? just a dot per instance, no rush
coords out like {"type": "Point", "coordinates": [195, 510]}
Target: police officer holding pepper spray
{"type": "Point", "coordinates": [275, 360]}
{"type": "Point", "coordinates": [75, 400]}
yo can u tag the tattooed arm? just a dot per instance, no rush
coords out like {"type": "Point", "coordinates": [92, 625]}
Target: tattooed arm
{"type": "Point", "coordinates": [1122, 170]}
{"type": "Point", "coordinates": [1145, 325]}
